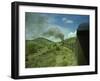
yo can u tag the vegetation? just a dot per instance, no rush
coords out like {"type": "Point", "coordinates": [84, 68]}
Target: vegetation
{"type": "Point", "coordinates": [42, 52]}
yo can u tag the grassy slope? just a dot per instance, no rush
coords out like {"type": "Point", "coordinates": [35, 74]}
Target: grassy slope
{"type": "Point", "coordinates": [70, 43]}
{"type": "Point", "coordinates": [44, 53]}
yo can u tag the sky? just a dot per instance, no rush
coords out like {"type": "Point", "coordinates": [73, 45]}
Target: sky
{"type": "Point", "coordinates": [54, 27]}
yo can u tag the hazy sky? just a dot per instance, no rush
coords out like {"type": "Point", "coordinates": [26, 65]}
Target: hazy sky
{"type": "Point", "coordinates": [51, 26]}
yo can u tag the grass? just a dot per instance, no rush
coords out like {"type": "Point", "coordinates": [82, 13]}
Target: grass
{"type": "Point", "coordinates": [41, 52]}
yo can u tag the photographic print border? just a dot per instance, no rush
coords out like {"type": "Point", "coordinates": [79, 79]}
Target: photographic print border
{"type": "Point", "coordinates": [15, 39]}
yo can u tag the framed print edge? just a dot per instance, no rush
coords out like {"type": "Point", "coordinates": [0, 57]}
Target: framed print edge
{"type": "Point", "coordinates": [96, 40]}
{"type": "Point", "coordinates": [15, 40]}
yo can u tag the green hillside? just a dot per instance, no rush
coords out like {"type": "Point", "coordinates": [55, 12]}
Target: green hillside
{"type": "Point", "coordinates": [41, 52]}
{"type": "Point", "coordinates": [70, 43]}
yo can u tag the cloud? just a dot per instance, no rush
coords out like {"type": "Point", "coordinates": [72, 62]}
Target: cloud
{"type": "Point", "coordinates": [54, 32]}
{"type": "Point", "coordinates": [72, 34]}
{"type": "Point", "coordinates": [64, 19]}
{"type": "Point", "coordinates": [67, 20]}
